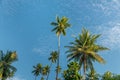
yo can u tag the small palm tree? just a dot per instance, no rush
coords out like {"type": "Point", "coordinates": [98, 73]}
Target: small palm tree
{"type": "Point", "coordinates": [92, 75]}
{"type": "Point", "coordinates": [84, 50]}
{"type": "Point", "coordinates": [61, 25]}
{"type": "Point", "coordinates": [6, 68]}
{"type": "Point", "coordinates": [37, 70]}
{"type": "Point", "coordinates": [45, 70]}
{"type": "Point", "coordinates": [53, 58]}
{"type": "Point", "coordinates": [107, 76]}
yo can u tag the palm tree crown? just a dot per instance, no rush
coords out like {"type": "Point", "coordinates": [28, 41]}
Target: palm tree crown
{"type": "Point", "coordinates": [53, 56]}
{"type": "Point", "coordinates": [84, 50]}
{"type": "Point", "coordinates": [37, 70]}
{"type": "Point", "coordinates": [60, 25]}
{"type": "Point", "coordinates": [6, 69]}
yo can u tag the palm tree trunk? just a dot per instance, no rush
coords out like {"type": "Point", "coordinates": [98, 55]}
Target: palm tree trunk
{"type": "Point", "coordinates": [58, 56]}
{"type": "Point", "coordinates": [84, 67]}
{"type": "Point", "coordinates": [49, 71]}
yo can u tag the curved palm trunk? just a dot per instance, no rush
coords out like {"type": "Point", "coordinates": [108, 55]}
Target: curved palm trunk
{"type": "Point", "coordinates": [84, 67]}
{"type": "Point", "coordinates": [49, 71]}
{"type": "Point", "coordinates": [58, 62]}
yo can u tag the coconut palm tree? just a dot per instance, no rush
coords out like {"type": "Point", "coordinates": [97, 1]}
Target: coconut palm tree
{"type": "Point", "coordinates": [61, 25]}
{"type": "Point", "coordinates": [84, 50]}
{"type": "Point", "coordinates": [107, 76]}
{"type": "Point", "coordinates": [53, 58]}
{"type": "Point", "coordinates": [6, 68]}
{"type": "Point", "coordinates": [37, 70]}
{"type": "Point", "coordinates": [45, 70]}
{"type": "Point", "coordinates": [92, 75]}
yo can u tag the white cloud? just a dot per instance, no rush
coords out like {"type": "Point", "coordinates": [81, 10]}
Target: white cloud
{"type": "Point", "coordinates": [108, 6]}
{"type": "Point", "coordinates": [37, 50]}
{"type": "Point", "coordinates": [16, 78]}
{"type": "Point", "coordinates": [111, 34]}
{"type": "Point", "coordinates": [42, 51]}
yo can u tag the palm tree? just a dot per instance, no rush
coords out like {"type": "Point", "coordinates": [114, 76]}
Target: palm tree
{"type": "Point", "coordinates": [6, 68]}
{"type": "Point", "coordinates": [37, 70]}
{"type": "Point", "coordinates": [107, 76]}
{"type": "Point", "coordinates": [84, 50]}
{"type": "Point", "coordinates": [92, 75]}
{"type": "Point", "coordinates": [45, 70]}
{"type": "Point", "coordinates": [53, 58]}
{"type": "Point", "coordinates": [61, 25]}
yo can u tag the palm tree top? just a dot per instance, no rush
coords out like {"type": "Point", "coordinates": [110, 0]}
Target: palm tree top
{"type": "Point", "coordinates": [37, 69]}
{"type": "Point", "coordinates": [86, 44]}
{"type": "Point", "coordinates": [53, 56]}
{"type": "Point", "coordinates": [6, 69]}
{"type": "Point", "coordinates": [61, 25]}
{"type": "Point", "coordinates": [85, 50]}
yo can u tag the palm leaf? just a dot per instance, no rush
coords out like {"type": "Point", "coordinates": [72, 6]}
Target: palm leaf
{"type": "Point", "coordinates": [54, 23]}
{"type": "Point", "coordinates": [96, 56]}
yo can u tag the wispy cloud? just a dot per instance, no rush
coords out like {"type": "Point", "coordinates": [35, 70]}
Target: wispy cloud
{"type": "Point", "coordinates": [111, 32]}
{"type": "Point", "coordinates": [16, 78]}
{"type": "Point", "coordinates": [108, 6]}
{"type": "Point", "coordinates": [45, 45]}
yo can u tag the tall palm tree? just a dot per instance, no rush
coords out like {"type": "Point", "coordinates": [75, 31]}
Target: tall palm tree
{"type": "Point", "coordinates": [6, 68]}
{"type": "Point", "coordinates": [84, 50]}
{"type": "Point", "coordinates": [61, 25]}
{"type": "Point", "coordinates": [37, 70]}
{"type": "Point", "coordinates": [53, 58]}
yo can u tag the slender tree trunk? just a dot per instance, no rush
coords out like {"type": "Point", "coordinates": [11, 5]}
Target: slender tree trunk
{"type": "Point", "coordinates": [84, 67]}
{"type": "Point", "coordinates": [58, 56]}
{"type": "Point", "coordinates": [49, 71]}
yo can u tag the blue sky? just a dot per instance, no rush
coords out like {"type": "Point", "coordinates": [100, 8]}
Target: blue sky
{"type": "Point", "coordinates": [25, 27]}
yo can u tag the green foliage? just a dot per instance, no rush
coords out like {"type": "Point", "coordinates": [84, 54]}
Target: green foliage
{"type": "Point", "coordinates": [92, 75]}
{"type": "Point", "coordinates": [45, 70]}
{"type": "Point", "coordinates": [110, 76]}
{"type": "Point", "coordinates": [53, 56]}
{"type": "Point", "coordinates": [116, 77]}
{"type": "Point", "coordinates": [42, 78]}
{"type": "Point", "coordinates": [72, 72]}
{"type": "Point", "coordinates": [84, 50]}
{"type": "Point", "coordinates": [107, 76]}
{"type": "Point", "coordinates": [6, 68]}
{"type": "Point", "coordinates": [37, 69]}
{"type": "Point", "coordinates": [61, 25]}
{"type": "Point", "coordinates": [41, 70]}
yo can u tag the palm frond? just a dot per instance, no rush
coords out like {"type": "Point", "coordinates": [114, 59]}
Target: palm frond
{"type": "Point", "coordinates": [57, 19]}
{"type": "Point", "coordinates": [96, 56]}
{"type": "Point", "coordinates": [54, 23]}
